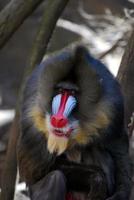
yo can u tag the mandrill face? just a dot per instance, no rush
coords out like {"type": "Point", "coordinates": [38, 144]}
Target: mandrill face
{"type": "Point", "coordinates": [61, 124]}
{"type": "Point", "coordinates": [70, 108]}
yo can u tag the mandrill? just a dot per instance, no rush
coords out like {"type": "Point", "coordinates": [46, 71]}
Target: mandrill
{"type": "Point", "coordinates": [72, 121]}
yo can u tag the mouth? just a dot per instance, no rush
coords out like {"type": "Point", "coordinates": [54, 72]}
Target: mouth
{"type": "Point", "coordinates": [62, 133]}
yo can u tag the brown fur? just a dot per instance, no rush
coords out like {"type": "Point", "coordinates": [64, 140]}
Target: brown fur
{"type": "Point", "coordinates": [39, 120]}
{"type": "Point", "coordinates": [74, 155]}
{"type": "Point", "coordinates": [101, 119]}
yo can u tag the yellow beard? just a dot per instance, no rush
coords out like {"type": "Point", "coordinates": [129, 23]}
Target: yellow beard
{"type": "Point", "coordinates": [57, 144]}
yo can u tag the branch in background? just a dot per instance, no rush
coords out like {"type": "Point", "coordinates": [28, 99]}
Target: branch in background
{"type": "Point", "coordinates": [113, 48]}
{"type": "Point", "coordinates": [117, 44]}
{"type": "Point", "coordinates": [10, 170]}
{"type": "Point", "coordinates": [13, 15]}
{"type": "Point", "coordinates": [126, 78]}
{"type": "Point", "coordinates": [127, 58]}
{"type": "Point", "coordinates": [131, 125]}
{"type": "Point", "coordinates": [52, 13]}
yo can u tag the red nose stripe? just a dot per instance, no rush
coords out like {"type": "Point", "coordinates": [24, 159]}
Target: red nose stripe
{"type": "Point", "coordinates": [58, 120]}
{"type": "Point", "coordinates": [64, 98]}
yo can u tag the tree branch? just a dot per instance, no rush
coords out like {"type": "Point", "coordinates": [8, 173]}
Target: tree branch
{"type": "Point", "coordinates": [126, 77]}
{"type": "Point", "coordinates": [52, 13]}
{"type": "Point", "coordinates": [13, 15]}
{"type": "Point", "coordinates": [10, 168]}
{"type": "Point", "coordinates": [111, 49]}
{"type": "Point", "coordinates": [127, 58]}
{"type": "Point", "coordinates": [131, 125]}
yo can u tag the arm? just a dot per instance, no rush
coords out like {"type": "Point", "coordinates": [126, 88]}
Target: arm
{"type": "Point", "coordinates": [118, 148]}
{"type": "Point", "coordinates": [83, 178]}
{"type": "Point", "coordinates": [33, 158]}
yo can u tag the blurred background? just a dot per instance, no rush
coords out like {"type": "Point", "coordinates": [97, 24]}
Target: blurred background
{"type": "Point", "coordinates": [104, 26]}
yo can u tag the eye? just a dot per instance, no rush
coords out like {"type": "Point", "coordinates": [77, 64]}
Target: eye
{"type": "Point", "coordinates": [60, 90]}
{"type": "Point", "coordinates": [73, 92]}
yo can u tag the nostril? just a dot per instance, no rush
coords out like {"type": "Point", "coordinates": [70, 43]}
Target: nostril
{"type": "Point", "coordinates": [58, 121]}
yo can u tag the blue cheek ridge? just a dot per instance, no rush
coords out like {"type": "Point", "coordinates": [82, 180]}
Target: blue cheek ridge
{"type": "Point", "coordinates": [70, 105]}
{"type": "Point", "coordinates": [56, 103]}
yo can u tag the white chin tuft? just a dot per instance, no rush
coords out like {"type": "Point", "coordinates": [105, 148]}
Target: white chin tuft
{"type": "Point", "coordinates": [57, 144]}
